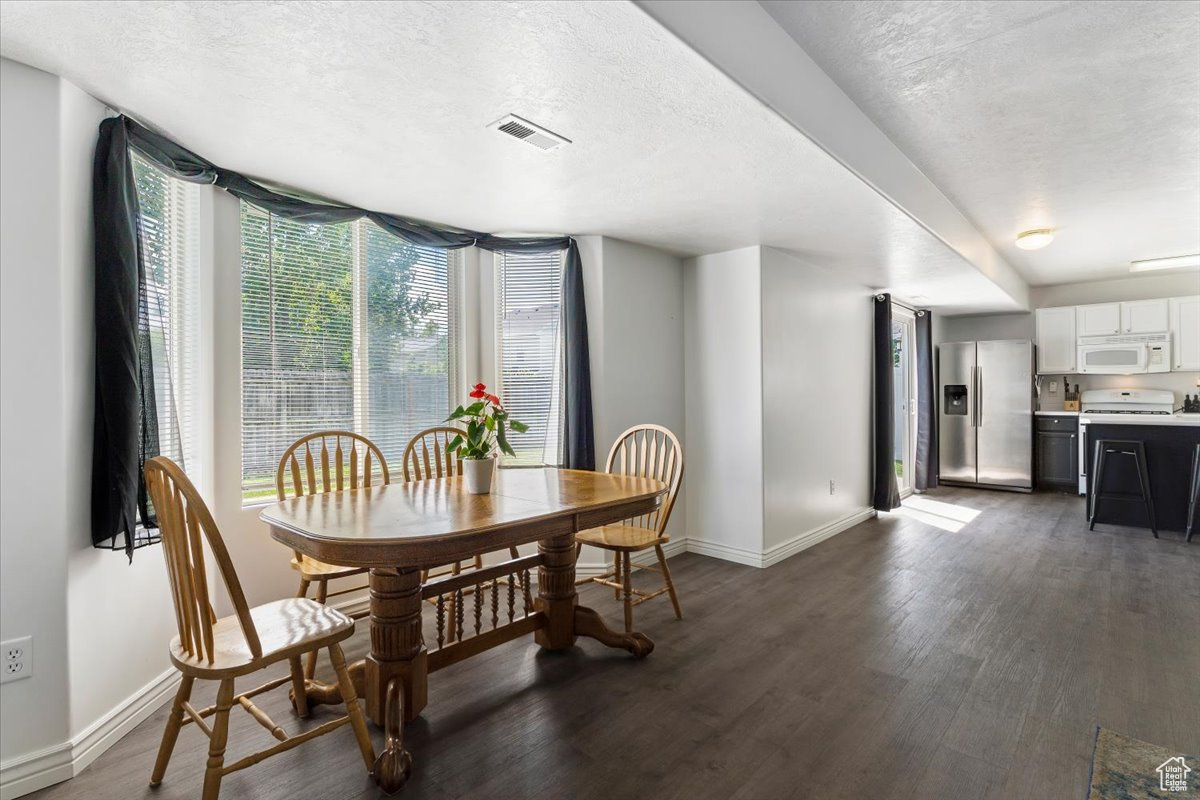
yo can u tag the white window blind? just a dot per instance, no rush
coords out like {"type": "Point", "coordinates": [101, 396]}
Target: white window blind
{"type": "Point", "coordinates": [343, 327]}
{"type": "Point", "coordinates": [529, 347]}
{"type": "Point", "coordinates": [168, 226]}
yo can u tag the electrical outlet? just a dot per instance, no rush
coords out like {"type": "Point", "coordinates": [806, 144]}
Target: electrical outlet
{"type": "Point", "coordinates": [832, 488]}
{"type": "Point", "coordinates": [1053, 387]}
{"type": "Point", "coordinates": [18, 659]}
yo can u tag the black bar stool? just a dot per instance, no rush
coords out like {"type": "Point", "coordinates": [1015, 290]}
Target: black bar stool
{"type": "Point", "coordinates": [1194, 494]}
{"type": "Point", "coordinates": [1115, 448]}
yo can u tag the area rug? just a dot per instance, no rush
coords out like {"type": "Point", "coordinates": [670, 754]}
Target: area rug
{"type": "Point", "coordinates": [1130, 769]}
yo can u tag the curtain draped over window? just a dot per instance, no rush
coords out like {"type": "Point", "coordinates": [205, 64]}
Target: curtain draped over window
{"type": "Point", "coordinates": [926, 468]}
{"type": "Point", "coordinates": [125, 432]}
{"type": "Point", "coordinates": [886, 494]}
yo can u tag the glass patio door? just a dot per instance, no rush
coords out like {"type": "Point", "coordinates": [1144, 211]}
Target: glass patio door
{"type": "Point", "coordinates": [904, 400]}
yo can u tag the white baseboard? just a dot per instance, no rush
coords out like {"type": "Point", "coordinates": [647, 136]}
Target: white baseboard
{"type": "Point", "coordinates": [807, 539]}
{"type": "Point", "coordinates": [37, 770]}
{"type": "Point", "coordinates": [738, 555]}
{"type": "Point", "coordinates": [58, 763]}
{"type": "Point", "coordinates": [779, 552]}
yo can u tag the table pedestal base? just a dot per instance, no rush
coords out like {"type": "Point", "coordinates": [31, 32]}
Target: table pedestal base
{"type": "Point", "coordinates": [589, 623]}
{"type": "Point", "coordinates": [394, 677]}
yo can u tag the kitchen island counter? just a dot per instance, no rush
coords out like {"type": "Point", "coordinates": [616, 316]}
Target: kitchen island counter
{"type": "Point", "coordinates": [1169, 442]}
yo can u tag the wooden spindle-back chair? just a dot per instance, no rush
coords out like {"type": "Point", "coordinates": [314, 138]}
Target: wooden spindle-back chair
{"type": "Point", "coordinates": [646, 451]}
{"type": "Point", "coordinates": [248, 641]}
{"type": "Point", "coordinates": [319, 463]}
{"type": "Point", "coordinates": [427, 456]}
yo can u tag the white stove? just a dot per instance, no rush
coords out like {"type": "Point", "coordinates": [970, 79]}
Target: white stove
{"type": "Point", "coordinates": [1127, 401]}
{"type": "Point", "coordinates": [1117, 406]}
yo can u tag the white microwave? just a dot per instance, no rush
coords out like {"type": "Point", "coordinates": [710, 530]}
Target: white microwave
{"type": "Point", "coordinates": [1124, 355]}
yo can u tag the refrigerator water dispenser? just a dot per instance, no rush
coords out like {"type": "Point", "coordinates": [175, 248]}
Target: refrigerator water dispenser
{"type": "Point", "coordinates": [954, 401]}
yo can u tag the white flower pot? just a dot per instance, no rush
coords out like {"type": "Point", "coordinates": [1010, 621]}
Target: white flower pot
{"type": "Point", "coordinates": [477, 472]}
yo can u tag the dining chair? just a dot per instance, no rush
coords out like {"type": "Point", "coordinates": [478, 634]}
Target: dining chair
{"type": "Point", "coordinates": [251, 639]}
{"type": "Point", "coordinates": [645, 451]}
{"type": "Point", "coordinates": [428, 456]}
{"type": "Point", "coordinates": [312, 466]}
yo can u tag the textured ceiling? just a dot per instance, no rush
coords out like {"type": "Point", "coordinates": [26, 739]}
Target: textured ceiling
{"type": "Point", "coordinates": [1079, 116]}
{"type": "Point", "coordinates": [384, 105]}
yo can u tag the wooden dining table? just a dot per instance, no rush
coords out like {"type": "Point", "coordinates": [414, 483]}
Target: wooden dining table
{"type": "Point", "coordinates": [402, 531]}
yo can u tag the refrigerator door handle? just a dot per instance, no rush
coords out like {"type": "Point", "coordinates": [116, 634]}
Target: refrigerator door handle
{"type": "Point", "coordinates": [979, 397]}
{"type": "Point", "coordinates": [974, 397]}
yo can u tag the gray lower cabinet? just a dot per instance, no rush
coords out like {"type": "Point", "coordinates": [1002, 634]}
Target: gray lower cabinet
{"type": "Point", "coordinates": [1057, 446]}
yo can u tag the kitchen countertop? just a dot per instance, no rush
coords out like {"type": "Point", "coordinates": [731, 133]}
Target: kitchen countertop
{"type": "Point", "coordinates": [1059, 413]}
{"type": "Point", "coordinates": [1178, 418]}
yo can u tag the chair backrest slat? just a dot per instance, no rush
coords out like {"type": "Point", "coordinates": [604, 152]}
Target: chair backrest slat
{"type": "Point", "coordinates": [204, 609]}
{"type": "Point", "coordinates": [297, 482]}
{"type": "Point", "coordinates": [182, 518]}
{"type": "Point", "coordinates": [324, 465]}
{"type": "Point", "coordinates": [341, 475]}
{"type": "Point", "coordinates": [650, 451]}
{"type": "Point", "coordinates": [427, 457]}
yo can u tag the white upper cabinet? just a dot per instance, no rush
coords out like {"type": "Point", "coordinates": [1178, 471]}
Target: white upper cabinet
{"type": "Point", "coordinates": [1144, 316]}
{"type": "Point", "coordinates": [1055, 339]}
{"type": "Point", "coordinates": [1098, 319]}
{"type": "Point", "coordinates": [1185, 333]}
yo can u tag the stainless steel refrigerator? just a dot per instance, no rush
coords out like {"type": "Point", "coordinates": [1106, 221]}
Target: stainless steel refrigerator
{"type": "Point", "coordinates": [985, 431]}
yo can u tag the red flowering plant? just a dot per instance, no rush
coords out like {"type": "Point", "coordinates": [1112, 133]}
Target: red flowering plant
{"type": "Point", "coordinates": [487, 426]}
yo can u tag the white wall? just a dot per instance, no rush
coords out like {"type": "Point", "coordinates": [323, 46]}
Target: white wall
{"type": "Point", "coordinates": [778, 404]}
{"type": "Point", "coordinates": [816, 388]}
{"type": "Point", "coordinates": [635, 326]}
{"type": "Point", "coordinates": [35, 522]}
{"type": "Point", "coordinates": [723, 409]}
{"type": "Point", "coordinates": [100, 624]}
{"type": "Point", "coordinates": [984, 327]}
{"type": "Point", "coordinates": [1142, 287]}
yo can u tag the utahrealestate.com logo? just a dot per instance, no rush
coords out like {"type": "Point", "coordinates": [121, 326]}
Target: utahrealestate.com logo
{"type": "Point", "coordinates": [1173, 775]}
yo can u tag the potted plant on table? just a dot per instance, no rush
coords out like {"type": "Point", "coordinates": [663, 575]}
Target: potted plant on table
{"type": "Point", "coordinates": [487, 429]}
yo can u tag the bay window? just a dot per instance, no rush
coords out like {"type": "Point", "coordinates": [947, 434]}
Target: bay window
{"type": "Point", "coordinates": [343, 327]}
{"type": "Point", "coordinates": [168, 222]}
{"type": "Point", "coordinates": [529, 352]}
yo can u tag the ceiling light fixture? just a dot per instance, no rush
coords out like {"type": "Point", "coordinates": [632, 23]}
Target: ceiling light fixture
{"type": "Point", "coordinates": [1174, 262]}
{"type": "Point", "coordinates": [1035, 239]}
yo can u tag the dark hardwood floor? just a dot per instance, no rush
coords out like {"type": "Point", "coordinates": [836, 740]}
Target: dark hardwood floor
{"type": "Point", "coordinates": [895, 660]}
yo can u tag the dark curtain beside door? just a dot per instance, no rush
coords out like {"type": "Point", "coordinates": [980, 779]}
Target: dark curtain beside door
{"type": "Point", "coordinates": [886, 494]}
{"type": "Point", "coordinates": [925, 471]}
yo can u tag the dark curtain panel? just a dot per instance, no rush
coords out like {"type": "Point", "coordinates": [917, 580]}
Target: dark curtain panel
{"type": "Point", "coordinates": [126, 419]}
{"type": "Point", "coordinates": [886, 495]}
{"type": "Point", "coordinates": [125, 433]}
{"type": "Point", "coordinates": [926, 468]}
{"type": "Point", "coordinates": [578, 442]}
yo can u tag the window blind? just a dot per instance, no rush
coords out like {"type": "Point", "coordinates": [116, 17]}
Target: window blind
{"type": "Point", "coordinates": [529, 347]}
{"type": "Point", "coordinates": [168, 228]}
{"type": "Point", "coordinates": [343, 327]}
{"type": "Point", "coordinates": [411, 337]}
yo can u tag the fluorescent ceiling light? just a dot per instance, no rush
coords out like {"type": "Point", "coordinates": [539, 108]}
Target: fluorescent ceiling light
{"type": "Point", "coordinates": [1174, 262]}
{"type": "Point", "coordinates": [1035, 239]}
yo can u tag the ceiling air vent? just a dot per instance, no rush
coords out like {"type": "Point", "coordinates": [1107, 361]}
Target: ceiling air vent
{"type": "Point", "coordinates": [529, 133]}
